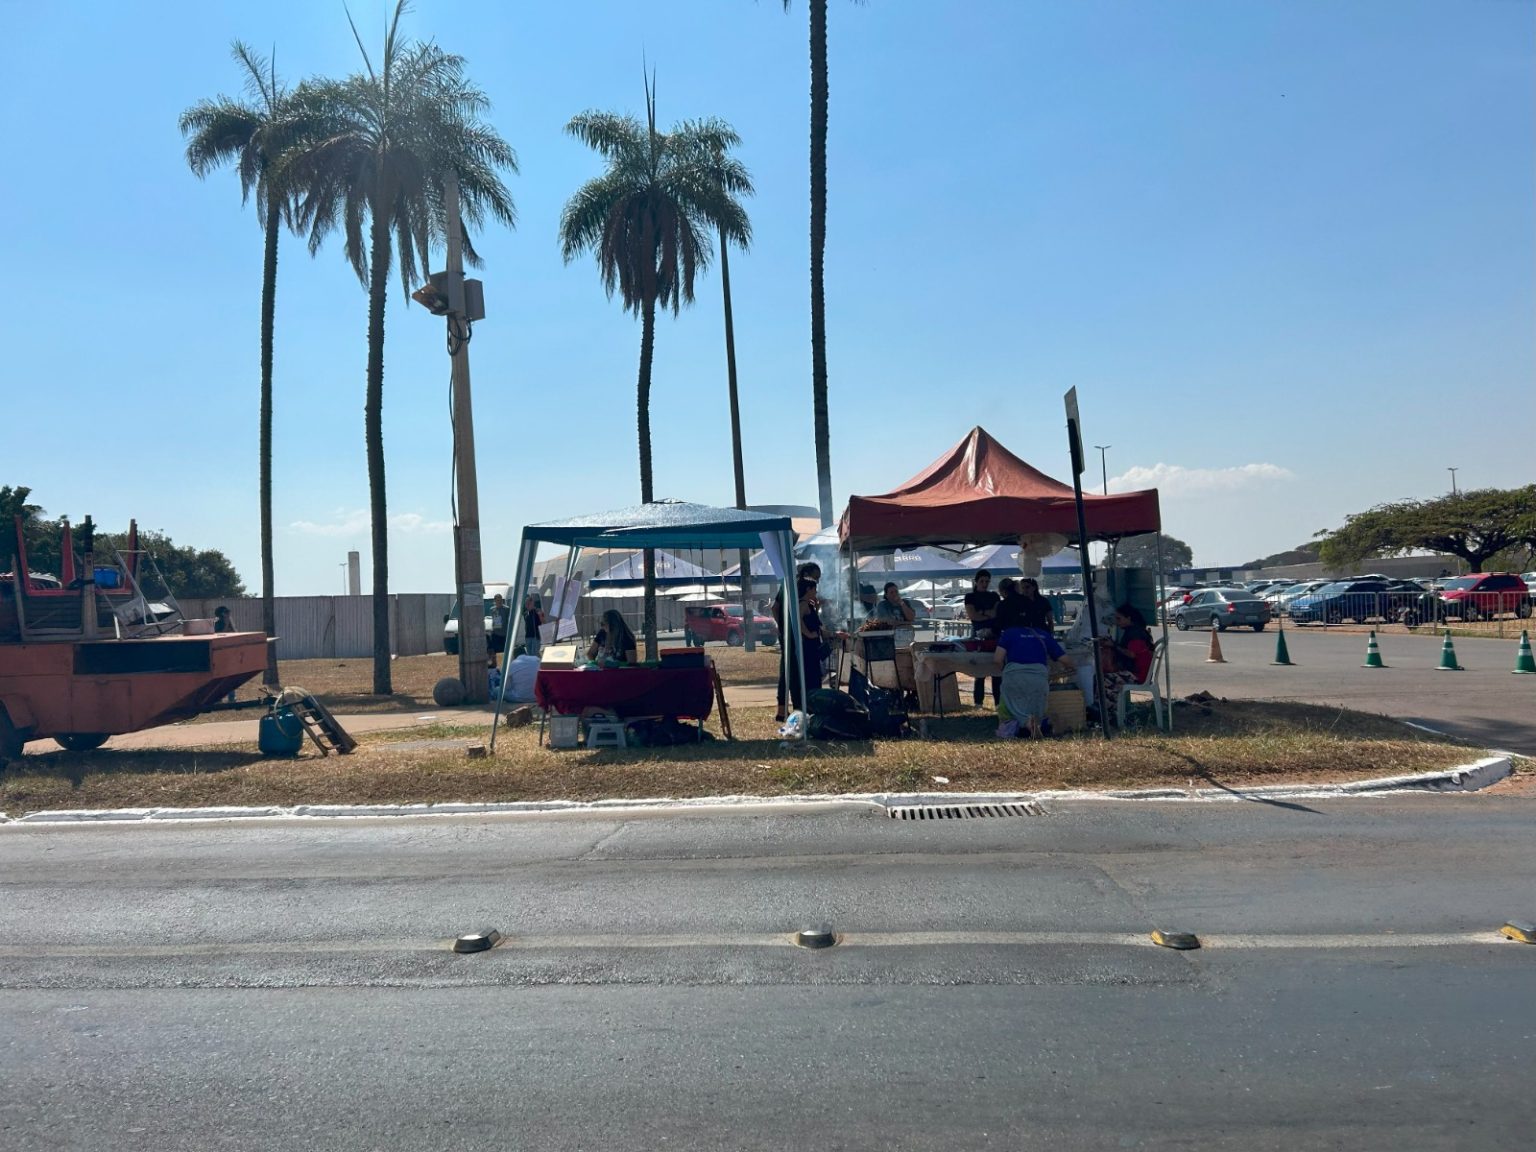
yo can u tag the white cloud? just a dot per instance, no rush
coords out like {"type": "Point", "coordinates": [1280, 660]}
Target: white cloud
{"type": "Point", "coordinates": [354, 522]}
{"type": "Point", "coordinates": [1176, 480]}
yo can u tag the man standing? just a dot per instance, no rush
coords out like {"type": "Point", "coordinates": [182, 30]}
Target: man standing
{"type": "Point", "coordinates": [981, 610]}
{"type": "Point", "coordinates": [496, 642]}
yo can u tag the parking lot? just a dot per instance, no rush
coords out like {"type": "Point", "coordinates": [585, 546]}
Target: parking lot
{"type": "Point", "coordinates": [1484, 702]}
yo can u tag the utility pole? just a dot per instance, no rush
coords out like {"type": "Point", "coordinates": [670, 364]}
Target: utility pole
{"type": "Point", "coordinates": [1104, 465]}
{"type": "Point", "coordinates": [470, 575]}
{"type": "Point", "coordinates": [743, 559]}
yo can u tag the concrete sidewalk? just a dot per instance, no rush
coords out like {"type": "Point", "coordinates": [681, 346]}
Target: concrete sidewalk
{"type": "Point", "coordinates": [236, 732]}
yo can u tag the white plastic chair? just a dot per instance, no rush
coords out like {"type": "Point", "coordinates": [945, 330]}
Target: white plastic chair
{"type": "Point", "coordinates": [1151, 684]}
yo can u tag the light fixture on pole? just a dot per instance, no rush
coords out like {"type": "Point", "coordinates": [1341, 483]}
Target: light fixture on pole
{"type": "Point", "coordinates": [1453, 472]}
{"type": "Point", "coordinates": [1103, 466]}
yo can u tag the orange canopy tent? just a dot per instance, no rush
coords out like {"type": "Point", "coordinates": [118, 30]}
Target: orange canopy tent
{"type": "Point", "coordinates": [980, 493]}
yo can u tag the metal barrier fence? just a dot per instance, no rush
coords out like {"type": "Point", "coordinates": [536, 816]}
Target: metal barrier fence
{"type": "Point", "coordinates": [1484, 613]}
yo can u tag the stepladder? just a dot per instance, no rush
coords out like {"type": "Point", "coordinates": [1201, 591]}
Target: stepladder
{"type": "Point", "coordinates": [323, 728]}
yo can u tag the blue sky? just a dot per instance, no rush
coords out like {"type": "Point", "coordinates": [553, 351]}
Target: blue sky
{"type": "Point", "coordinates": [1284, 251]}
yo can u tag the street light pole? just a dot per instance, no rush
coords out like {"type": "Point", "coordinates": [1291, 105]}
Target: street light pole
{"type": "Point", "coordinates": [1453, 472]}
{"type": "Point", "coordinates": [471, 579]}
{"type": "Point", "coordinates": [1103, 465]}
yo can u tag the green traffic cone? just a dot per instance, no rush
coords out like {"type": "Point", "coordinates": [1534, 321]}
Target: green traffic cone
{"type": "Point", "coordinates": [1525, 665]}
{"type": "Point", "coordinates": [1282, 653]}
{"type": "Point", "coordinates": [1448, 656]}
{"type": "Point", "coordinates": [1372, 653]}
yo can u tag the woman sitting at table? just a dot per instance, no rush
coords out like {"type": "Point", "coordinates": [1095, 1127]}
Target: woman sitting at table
{"type": "Point", "coordinates": [892, 608]}
{"type": "Point", "coordinates": [614, 642]}
{"type": "Point", "coordinates": [1126, 660]}
{"type": "Point", "coordinates": [1023, 657]}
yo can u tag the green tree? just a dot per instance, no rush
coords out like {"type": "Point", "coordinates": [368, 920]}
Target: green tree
{"type": "Point", "coordinates": [1141, 552]}
{"type": "Point", "coordinates": [393, 134]}
{"type": "Point", "coordinates": [1474, 525]}
{"type": "Point", "coordinates": [194, 573]}
{"type": "Point", "coordinates": [648, 219]}
{"type": "Point", "coordinates": [1301, 554]}
{"type": "Point", "coordinates": [191, 572]}
{"type": "Point", "coordinates": [35, 532]}
{"type": "Point", "coordinates": [256, 135]}
{"type": "Point", "coordinates": [749, 635]}
{"type": "Point", "coordinates": [819, 101]}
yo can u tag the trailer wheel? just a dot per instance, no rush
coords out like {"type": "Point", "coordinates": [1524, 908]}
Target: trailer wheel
{"type": "Point", "coordinates": [80, 741]}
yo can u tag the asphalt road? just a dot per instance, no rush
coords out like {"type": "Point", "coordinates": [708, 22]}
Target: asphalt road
{"type": "Point", "coordinates": [289, 985]}
{"type": "Point", "coordinates": [1484, 702]}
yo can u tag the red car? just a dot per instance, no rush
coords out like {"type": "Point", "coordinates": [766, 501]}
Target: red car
{"type": "Point", "coordinates": [1482, 596]}
{"type": "Point", "coordinates": [705, 622]}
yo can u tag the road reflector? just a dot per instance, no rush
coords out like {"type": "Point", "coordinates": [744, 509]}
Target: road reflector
{"type": "Point", "coordinates": [1520, 930]}
{"type": "Point", "coordinates": [1183, 941]}
{"type": "Point", "coordinates": [815, 938]}
{"type": "Point", "coordinates": [477, 941]}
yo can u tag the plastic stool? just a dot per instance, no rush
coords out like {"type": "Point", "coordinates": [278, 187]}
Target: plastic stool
{"type": "Point", "coordinates": [603, 734]}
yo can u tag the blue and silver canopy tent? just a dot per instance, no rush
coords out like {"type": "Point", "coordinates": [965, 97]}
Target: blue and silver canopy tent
{"type": "Point", "coordinates": [672, 525]}
{"type": "Point", "coordinates": [670, 569]}
{"type": "Point", "coordinates": [1003, 560]}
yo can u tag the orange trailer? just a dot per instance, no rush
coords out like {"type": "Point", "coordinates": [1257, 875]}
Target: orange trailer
{"type": "Point", "coordinates": [79, 662]}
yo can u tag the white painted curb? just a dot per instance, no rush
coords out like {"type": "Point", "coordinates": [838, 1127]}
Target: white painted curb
{"type": "Point", "coordinates": [1465, 778]}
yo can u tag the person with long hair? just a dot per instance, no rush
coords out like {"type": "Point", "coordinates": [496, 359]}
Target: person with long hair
{"type": "Point", "coordinates": [614, 642]}
{"type": "Point", "coordinates": [810, 570]}
{"type": "Point", "coordinates": [1126, 660]}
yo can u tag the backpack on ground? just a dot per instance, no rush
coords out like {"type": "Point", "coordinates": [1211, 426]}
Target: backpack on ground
{"type": "Point", "coordinates": [839, 726]}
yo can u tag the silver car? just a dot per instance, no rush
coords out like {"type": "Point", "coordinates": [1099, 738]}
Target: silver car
{"type": "Point", "coordinates": [1222, 608]}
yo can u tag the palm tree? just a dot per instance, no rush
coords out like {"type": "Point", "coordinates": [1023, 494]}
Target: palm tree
{"type": "Point", "coordinates": [393, 135]}
{"type": "Point", "coordinates": [256, 135]}
{"type": "Point", "coordinates": [818, 12]}
{"type": "Point", "coordinates": [749, 633]}
{"type": "Point", "coordinates": [648, 219]}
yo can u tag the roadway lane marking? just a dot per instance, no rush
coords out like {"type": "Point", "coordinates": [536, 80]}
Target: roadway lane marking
{"type": "Point", "coordinates": [623, 942]}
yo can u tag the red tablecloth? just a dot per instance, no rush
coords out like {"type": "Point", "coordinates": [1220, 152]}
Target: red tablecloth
{"type": "Point", "coordinates": [627, 691]}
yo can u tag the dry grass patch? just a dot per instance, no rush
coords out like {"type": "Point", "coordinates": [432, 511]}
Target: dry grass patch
{"type": "Point", "coordinates": [1242, 743]}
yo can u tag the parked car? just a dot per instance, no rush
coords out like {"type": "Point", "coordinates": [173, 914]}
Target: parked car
{"type": "Point", "coordinates": [1279, 596]}
{"type": "Point", "coordinates": [1482, 596]}
{"type": "Point", "coordinates": [948, 608]}
{"type": "Point", "coordinates": [705, 622]}
{"type": "Point", "coordinates": [451, 621]}
{"type": "Point", "coordinates": [1222, 608]}
{"type": "Point", "coordinates": [1355, 600]}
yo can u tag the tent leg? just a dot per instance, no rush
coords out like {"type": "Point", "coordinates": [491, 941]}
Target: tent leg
{"type": "Point", "coordinates": [519, 593]}
{"type": "Point", "coordinates": [1167, 671]}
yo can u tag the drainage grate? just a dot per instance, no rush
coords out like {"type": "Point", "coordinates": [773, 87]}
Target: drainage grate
{"type": "Point", "coordinates": [962, 811]}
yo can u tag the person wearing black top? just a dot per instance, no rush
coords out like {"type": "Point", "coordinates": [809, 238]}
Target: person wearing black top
{"type": "Point", "coordinates": [981, 610]}
{"type": "Point", "coordinates": [614, 642]}
{"type": "Point", "coordinates": [812, 643]}
{"type": "Point", "coordinates": [1034, 609]}
{"type": "Point", "coordinates": [810, 570]}
{"type": "Point", "coordinates": [533, 618]}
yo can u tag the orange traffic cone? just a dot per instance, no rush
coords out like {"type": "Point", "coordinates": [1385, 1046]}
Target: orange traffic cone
{"type": "Point", "coordinates": [1215, 656]}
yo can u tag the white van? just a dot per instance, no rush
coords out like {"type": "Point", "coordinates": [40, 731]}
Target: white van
{"type": "Point", "coordinates": [451, 621]}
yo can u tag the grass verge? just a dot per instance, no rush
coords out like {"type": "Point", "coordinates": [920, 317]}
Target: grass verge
{"type": "Point", "coordinates": [1237, 744]}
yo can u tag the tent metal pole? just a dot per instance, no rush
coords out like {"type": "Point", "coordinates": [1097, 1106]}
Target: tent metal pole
{"type": "Point", "coordinates": [1167, 672]}
{"type": "Point", "coordinates": [523, 572]}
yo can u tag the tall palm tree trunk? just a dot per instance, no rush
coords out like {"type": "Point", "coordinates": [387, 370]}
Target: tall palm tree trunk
{"type": "Point", "coordinates": [818, 10]}
{"type": "Point", "coordinates": [268, 306]}
{"type": "Point", "coordinates": [748, 633]}
{"type": "Point", "coordinates": [373, 433]}
{"type": "Point", "coordinates": [647, 488]}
